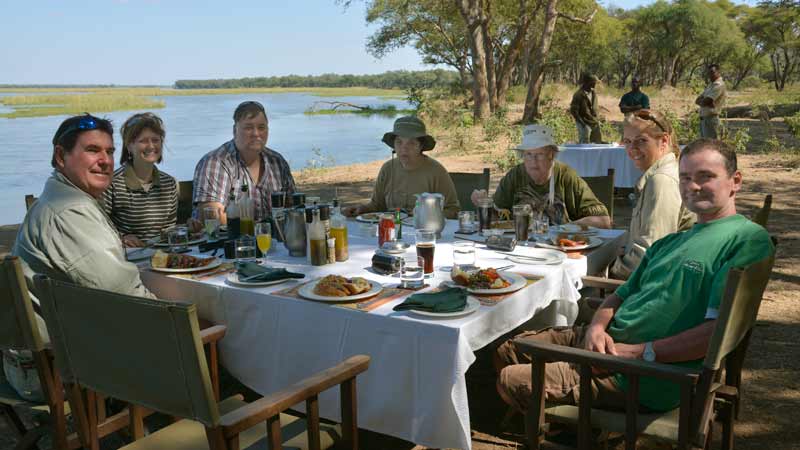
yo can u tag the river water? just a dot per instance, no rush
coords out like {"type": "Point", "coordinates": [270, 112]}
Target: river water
{"type": "Point", "coordinates": [196, 125]}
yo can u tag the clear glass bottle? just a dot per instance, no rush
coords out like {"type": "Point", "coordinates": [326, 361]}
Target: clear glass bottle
{"type": "Point", "coordinates": [232, 214]}
{"type": "Point", "coordinates": [246, 213]}
{"type": "Point", "coordinates": [339, 232]}
{"type": "Point", "coordinates": [318, 245]}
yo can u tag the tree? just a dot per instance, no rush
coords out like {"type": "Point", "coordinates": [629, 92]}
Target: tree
{"type": "Point", "coordinates": [775, 25]}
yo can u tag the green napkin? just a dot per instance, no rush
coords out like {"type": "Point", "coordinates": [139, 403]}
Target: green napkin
{"type": "Point", "coordinates": [452, 299]}
{"type": "Point", "coordinates": [250, 269]}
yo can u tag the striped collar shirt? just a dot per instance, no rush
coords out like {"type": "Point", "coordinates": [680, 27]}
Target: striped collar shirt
{"type": "Point", "coordinates": [222, 169]}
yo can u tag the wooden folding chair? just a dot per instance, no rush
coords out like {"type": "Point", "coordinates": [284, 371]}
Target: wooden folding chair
{"type": "Point", "coordinates": [148, 352]}
{"type": "Point", "coordinates": [688, 425]}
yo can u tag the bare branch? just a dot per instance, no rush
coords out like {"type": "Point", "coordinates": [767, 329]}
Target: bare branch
{"type": "Point", "coordinates": [587, 19]}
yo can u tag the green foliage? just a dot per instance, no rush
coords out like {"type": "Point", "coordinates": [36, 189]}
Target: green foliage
{"type": "Point", "coordinates": [382, 110]}
{"type": "Point", "coordinates": [462, 141]}
{"type": "Point", "coordinates": [504, 162]}
{"type": "Point", "coordinates": [562, 124]}
{"type": "Point", "coordinates": [415, 96]}
{"type": "Point", "coordinates": [497, 126]}
{"type": "Point", "coordinates": [772, 145]}
{"type": "Point", "coordinates": [611, 132]}
{"type": "Point", "coordinates": [64, 104]}
{"type": "Point", "coordinates": [793, 122]}
{"type": "Point", "coordinates": [687, 129]}
{"type": "Point", "coordinates": [739, 140]}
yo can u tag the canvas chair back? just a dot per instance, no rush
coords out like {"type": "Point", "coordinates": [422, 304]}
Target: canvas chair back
{"type": "Point", "coordinates": [761, 216]}
{"type": "Point", "coordinates": [466, 182]}
{"type": "Point", "coordinates": [185, 196]}
{"type": "Point", "coordinates": [146, 352]}
{"type": "Point", "coordinates": [18, 327]}
{"type": "Point", "coordinates": [603, 188]}
{"type": "Point", "coordinates": [738, 310]}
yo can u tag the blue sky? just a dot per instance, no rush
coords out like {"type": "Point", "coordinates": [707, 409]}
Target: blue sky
{"type": "Point", "coordinates": [160, 41]}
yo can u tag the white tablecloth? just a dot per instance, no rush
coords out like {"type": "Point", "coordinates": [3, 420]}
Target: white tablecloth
{"type": "Point", "coordinates": [415, 387]}
{"type": "Point", "coordinates": [594, 160]}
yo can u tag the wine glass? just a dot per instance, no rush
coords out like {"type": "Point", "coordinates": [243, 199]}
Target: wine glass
{"type": "Point", "coordinates": [263, 232]}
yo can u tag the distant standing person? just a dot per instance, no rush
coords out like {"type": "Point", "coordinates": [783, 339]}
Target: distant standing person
{"type": "Point", "coordinates": [584, 109]}
{"type": "Point", "coordinates": [141, 200]}
{"type": "Point", "coordinates": [245, 159]}
{"type": "Point", "coordinates": [711, 102]}
{"type": "Point", "coordinates": [635, 99]}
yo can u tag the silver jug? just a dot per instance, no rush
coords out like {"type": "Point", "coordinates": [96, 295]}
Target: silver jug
{"type": "Point", "coordinates": [429, 212]}
{"type": "Point", "coordinates": [294, 232]}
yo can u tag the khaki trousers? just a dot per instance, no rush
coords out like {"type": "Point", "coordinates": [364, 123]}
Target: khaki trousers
{"type": "Point", "coordinates": [562, 380]}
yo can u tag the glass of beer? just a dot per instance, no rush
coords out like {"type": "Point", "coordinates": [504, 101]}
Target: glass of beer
{"type": "Point", "coordinates": [522, 221]}
{"type": "Point", "coordinates": [426, 245]}
{"type": "Point", "coordinates": [484, 214]}
{"type": "Point", "coordinates": [264, 238]}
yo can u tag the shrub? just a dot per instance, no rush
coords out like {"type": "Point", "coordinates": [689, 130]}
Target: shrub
{"type": "Point", "coordinates": [562, 124]}
{"type": "Point", "coordinates": [793, 122]}
{"type": "Point", "coordinates": [319, 160]}
{"type": "Point", "coordinates": [739, 140]}
{"type": "Point", "coordinates": [504, 162]}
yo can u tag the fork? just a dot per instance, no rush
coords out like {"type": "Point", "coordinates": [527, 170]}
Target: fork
{"type": "Point", "coordinates": [532, 258]}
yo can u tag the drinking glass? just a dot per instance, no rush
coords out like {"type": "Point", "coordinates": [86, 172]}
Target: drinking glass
{"type": "Point", "coordinates": [522, 217]}
{"type": "Point", "coordinates": [484, 214]}
{"type": "Point", "coordinates": [426, 246]}
{"type": "Point", "coordinates": [264, 238]}
{"type": "Point", "coordinates": [464, 255]}
{"type": "Point", "coordinates": [177, 238]}
{"type": "Point", "coordinates": [245, 249]}
{"type": "Point", "coordinates": [541, 227]}
{"type": "Point", "coordinates": [466, 221]}
{"type": "Point", "coordinates": [211, 221]}
{"type": "Point", "coordinates": [412, 272]}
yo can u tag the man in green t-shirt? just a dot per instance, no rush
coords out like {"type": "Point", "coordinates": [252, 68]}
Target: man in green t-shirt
{"type": "Point", "coordinates": [635, 99]}
{"type": "Point", "coordinates": [667, 309]}
{"type": "Point", "coordinates": [539, 175]}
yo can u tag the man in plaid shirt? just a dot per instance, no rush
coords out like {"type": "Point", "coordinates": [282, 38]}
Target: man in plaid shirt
{"type": "Point", "coordinates": [243, 160]}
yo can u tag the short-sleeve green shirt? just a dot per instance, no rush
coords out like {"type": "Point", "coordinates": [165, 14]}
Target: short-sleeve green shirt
{"type": "Point", "coordinates": [570, 188]}
{"type": "Point", "coordinates": [678, 285]}
{"type": "Point", "coordinates": [635, 98]}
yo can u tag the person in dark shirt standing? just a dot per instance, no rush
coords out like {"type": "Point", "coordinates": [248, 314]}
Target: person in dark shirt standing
{"type": "Point", "coordinates": [635, 99]}
{"type": "Point", "coordinates": [583, 109]}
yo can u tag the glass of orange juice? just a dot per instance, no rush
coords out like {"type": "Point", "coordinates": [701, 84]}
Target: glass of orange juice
{"type": "Point", "coordinates": [263, 232]}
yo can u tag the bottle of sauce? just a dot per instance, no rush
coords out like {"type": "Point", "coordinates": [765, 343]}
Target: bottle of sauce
{"type": "Point", "coordinates": [232, 213]}
{"type": "Point", "coordinates": [247, 224]}
{"type": "Point", "coordinates": [398, 224]}
{"type": "Point", "coordinates": [339, 232]}
{"type": "Point", "coordinates": [317, 241]}
{"type": "Point", "coordinates": [325, 219]}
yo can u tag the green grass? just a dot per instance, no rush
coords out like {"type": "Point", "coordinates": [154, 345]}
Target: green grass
{"type": "Point", "coordinates": [98, 99]}
{"type": "Point", "coordinates": [388, 111]}
{"type": "Point", "coordinates": [51, 105]}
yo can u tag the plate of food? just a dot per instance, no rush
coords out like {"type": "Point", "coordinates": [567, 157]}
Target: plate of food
{"type": "Point", "coordinates": [375, 217]}
{"type": "Point", "coordinates": [473, 304]}
{"type": "Point", "coordinates": [335, 288]}
{"type": "Point", "coordinates": [233, 280]}
{"type": "Point", "coordinates": [182, 263]}
{"type": "Point", "coordinates": [571, 242]}
{"type": "Point", "coordinates": [193, 240]}
{"type": "Point", "coordinates": [488, 281]}
{"type": "Point", "coordinates": [573, 228]}
{"type": "Point", "coordinates": [531, 255]}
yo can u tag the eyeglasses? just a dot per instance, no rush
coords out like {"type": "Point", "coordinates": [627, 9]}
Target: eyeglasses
{"type": "Point", "coordinates": [85, 123]}
{"type": "Point", "coordinates": [646, 115]}
{"type": "Point", "coordinates": [535, 156]}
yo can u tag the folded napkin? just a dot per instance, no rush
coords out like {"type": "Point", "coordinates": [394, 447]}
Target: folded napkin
{"type": "Point", "coordinates": [452, 299]}
{"type": "Point", "coordinates": [261, 273]}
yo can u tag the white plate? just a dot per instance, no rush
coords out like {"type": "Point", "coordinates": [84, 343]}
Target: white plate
{"type": "Point", "coordinates": [190, 243]}
{"type": "Point", "coordinates": [549, 256]}
{"type": "Point", "coordinates": [233, 280]}
{"type": "Point", "coordinates": [472, 305]}
{"type": "Point", "coordinates": [593, 242]}
{"type": "Point", "coordinates": [517, 282]}
{"type": "Point", "coordinates": [215, 263]}
{"type": "Point", "coordinates": [376, 216]}
{"type": "Point", "coordinates": [307, 291]}
{"type": "Point", "coordinates": [138, 253]}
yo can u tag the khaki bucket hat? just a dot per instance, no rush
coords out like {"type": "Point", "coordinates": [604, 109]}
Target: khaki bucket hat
{"type": "Point", "coordinates": [409, 127]}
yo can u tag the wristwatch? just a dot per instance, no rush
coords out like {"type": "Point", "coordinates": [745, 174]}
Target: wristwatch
{"type": "Point", "coordinates": [649, 354]}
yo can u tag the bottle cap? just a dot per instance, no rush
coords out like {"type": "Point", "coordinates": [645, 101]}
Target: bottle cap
{"type": "Point", "coordinates": [324, 212]}
{"type": "Point", "coordinates": [309, 214]}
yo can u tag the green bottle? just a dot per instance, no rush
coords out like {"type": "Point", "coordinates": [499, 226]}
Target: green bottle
{"type": "Point", "coordinates": [398, 224]}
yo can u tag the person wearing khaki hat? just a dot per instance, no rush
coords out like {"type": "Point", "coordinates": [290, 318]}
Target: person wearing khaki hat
{"type": "Point", "coordinates": [549, 186]}
{"type": "Point", "coordinates": [412, 172]}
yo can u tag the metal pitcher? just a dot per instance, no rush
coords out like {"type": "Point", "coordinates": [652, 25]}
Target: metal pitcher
{"type": "Point", "coordinates": [429, 212]}
{"type": "Point", "coordinates": [294, 232]}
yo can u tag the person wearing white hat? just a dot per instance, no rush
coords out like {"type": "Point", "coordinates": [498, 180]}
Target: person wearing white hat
{"type": "Point", "coordinates": [547, 185]}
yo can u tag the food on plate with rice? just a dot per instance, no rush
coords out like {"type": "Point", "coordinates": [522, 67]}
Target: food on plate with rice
{"type": "Point", "coordinates": [479, 279]}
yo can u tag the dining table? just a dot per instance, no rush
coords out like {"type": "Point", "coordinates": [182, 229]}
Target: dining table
{"type": "Point", "coordinates": [594, 160]}
{"type": "Point", "coordinates": [415, 388]}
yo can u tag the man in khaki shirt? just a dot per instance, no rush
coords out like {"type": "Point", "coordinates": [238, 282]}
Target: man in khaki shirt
{"type": "Point", "coordinates": [711, 102]}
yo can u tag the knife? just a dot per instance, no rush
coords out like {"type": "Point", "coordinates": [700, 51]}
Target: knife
{"type": "Point", "coordinates": [532, 258]}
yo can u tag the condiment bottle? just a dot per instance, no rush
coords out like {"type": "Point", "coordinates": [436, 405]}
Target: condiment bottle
{"type": "Point", "coordinates": [318, 243]}
{"type": "Point", "coordinates": [247, 224]}
{"type": "Point", "coordinates": [325, 218]}
{"type": "Point", "coordinates": [232, 214]}
{"type": "Point", "coordinates": [398, 224]}
{"type": "Point", "coordinates": [339, 232]}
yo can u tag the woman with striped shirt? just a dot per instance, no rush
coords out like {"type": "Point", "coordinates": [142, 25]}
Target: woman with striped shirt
{"type": "Point", "coordinates": [141, 200]}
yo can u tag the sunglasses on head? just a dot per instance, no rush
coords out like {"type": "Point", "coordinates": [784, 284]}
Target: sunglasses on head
{"type": "Point", "coordinates": [85, 123]}
{"type": "Point", "coordinates": [645, 115]}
